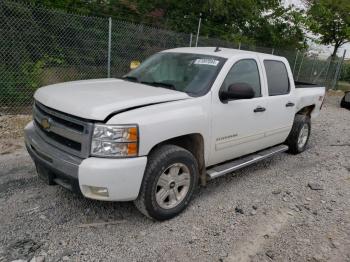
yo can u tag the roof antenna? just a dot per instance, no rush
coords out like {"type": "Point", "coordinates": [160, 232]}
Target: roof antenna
{"type": "Point", "coordinates": [217, 49]}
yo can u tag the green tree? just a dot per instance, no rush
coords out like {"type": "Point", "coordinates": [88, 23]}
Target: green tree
{"type": "Point", "coordinates": [258, 22]}
{"type": "Point", "coordinates": [331, 20]}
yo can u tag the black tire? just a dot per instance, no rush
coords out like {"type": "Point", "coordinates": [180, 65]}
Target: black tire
{"type": "Point", "coordinates": [159, 160]}
{"type": "Point", "coordinates": [292, 140]}
{"type": "Point", "coordinates": [343, 103]}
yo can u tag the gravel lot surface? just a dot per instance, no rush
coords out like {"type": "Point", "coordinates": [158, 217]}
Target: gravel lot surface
{"type": "Point", "coordinates": [287, 208]}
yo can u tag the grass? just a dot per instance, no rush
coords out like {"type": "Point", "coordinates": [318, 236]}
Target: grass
{"type": "Point", "coordinates": [344, 86]}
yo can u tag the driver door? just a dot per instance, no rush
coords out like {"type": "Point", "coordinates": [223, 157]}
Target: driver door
{"type": "Point", "coordinates": [239, 126]}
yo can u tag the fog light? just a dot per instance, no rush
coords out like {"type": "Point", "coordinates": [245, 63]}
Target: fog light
{"type": "Point", "coordinates": [100, 191]}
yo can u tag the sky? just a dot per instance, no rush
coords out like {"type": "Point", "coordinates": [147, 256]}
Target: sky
{"type": "Point", "coordinates": [326, 49]}
{"type": "Point", "coordinates": [297, 3]}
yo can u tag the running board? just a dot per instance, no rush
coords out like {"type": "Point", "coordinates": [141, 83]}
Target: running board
{"type": "Point", "coordinates": [236, 164]}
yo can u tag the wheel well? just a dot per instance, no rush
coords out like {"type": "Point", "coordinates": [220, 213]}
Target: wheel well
{"type": "Point", "coordinates": [307, 110]}
{"type": "Point", "coordinates": [191, 142]}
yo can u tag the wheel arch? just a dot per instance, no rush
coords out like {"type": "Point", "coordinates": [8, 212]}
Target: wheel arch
{"type": "Point", "coordinates": [194, 143]}
{"type": "Point", "coordinates": [306, 110]}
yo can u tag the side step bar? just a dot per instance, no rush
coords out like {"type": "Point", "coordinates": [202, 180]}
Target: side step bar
{"type": "Point", "coordinates": [236, 164]}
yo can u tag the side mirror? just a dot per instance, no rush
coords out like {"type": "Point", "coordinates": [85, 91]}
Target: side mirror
{"type": "Point", "coordinates": [237, 91]}
{"type": "Point", "coordinates": [134, 64]}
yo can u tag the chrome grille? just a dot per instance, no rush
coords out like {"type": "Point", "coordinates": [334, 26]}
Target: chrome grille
{"type": "Point", "coordinates": [68, 133]}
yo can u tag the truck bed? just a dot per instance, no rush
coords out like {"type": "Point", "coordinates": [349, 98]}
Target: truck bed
{"type": "Point", "coordinates": [310, 94]}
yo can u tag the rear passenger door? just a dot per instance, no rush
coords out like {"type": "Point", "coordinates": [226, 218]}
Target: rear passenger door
{"type": "Point", "coordinates": [281, 102]}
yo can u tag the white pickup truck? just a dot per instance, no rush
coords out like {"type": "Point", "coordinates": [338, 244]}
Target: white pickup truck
{"type": "Point", "coordinates": [184, 116]}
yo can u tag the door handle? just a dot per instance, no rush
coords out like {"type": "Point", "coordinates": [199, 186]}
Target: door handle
{"type": "Point", "coordinates": [289, 104]}
{"type": "Point", "coordinates": [259, 109]}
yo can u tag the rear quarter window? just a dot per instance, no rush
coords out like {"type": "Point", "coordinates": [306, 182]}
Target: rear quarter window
{"type": "Point", "coordinates": [277, 77]}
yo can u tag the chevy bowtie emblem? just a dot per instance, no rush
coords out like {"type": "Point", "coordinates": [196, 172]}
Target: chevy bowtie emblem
{"type": "Point", "coordinates": [46, 123]}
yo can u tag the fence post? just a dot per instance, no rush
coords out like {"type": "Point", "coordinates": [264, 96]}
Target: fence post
{"type": "Point", "coordinates": [320, 74]}
{"type": "Point", "coordinates": [191, 40]}
{"type": "Point", "coordinates": [295, 62]}
{"type": "Point", "coordinates": [312, 69]}
{"type": "Point", "coordinates": [327, 71]}
{"type": "Point", "coordinates": [337, 73]}
{"type": "Point", "coordinates": [109, 46]}
{"type": "Point", "coordinates": [315, 69]}
{"type": "Point", "coordinates": [273, 51]}
{"type": "Point", "coordinates": [301, 64]}
{"type": "Point", "coordinates": [199, 28]}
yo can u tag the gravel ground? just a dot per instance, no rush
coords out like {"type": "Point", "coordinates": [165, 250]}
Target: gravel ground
{"type": "Point", "coordinates": [264, 212]}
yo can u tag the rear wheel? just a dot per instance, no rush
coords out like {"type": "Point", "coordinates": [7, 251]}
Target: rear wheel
{"type": "Point", "coordinates": [345, 102]}
{"type": "Point", "coordinates": [299, 135]}
{"type": "Point", "coordinates": [170, 179]}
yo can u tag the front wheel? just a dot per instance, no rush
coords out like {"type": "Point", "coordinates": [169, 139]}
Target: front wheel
{"type": "Point", "coordinates": [170, 178]}
{"type": "Point", "coordinates": [299, 135]}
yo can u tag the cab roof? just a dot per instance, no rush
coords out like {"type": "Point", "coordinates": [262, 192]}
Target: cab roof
{"type": "Point", "coordinates": [224, 52]}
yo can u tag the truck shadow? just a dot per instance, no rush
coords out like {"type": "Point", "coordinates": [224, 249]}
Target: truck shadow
{"type": "Point", "coordinates": [59, 206]}
{"type": "Point", "coordinates": [94, 211]}
{"type": "Point", "coordinates": [88, 211]}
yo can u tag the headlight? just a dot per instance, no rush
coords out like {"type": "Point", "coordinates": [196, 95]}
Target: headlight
{"type": "Point", "coordinates": [114, 141]}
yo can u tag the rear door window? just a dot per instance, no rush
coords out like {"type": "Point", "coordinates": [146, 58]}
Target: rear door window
{"type": "Point", "coordinates": [277, 77]}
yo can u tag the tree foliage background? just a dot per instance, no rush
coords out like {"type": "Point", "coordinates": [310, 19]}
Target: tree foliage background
{"type": "Point", "coordinates": [330, 21]}
{"type": "Point", "coordinates": [259, 22]}
{"type": "Point", "coordinates": [49, 41]}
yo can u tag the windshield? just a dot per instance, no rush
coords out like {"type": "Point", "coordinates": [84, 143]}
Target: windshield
{"type": "Point", "coordinates": [189, 73]}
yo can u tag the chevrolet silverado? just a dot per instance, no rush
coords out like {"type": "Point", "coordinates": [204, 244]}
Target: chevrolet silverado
{"type": "Point", "coordinates": [182, 117]}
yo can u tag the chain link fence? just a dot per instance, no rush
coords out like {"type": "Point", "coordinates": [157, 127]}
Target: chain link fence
{"type": "Point", "coordinates": [40, 47]}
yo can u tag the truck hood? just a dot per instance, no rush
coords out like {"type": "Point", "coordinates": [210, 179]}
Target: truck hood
{"type": "Point", "coordinates": [97, 99]}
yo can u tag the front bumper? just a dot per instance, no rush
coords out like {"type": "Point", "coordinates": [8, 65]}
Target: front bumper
{"type": "Point", "coordinates": [120, 177]}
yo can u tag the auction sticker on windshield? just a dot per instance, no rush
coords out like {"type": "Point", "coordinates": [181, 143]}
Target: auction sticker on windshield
{"type": "Point", "coordinates": [203, 61]}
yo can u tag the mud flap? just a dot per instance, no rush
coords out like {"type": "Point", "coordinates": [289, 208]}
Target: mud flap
{"type": "Point", "coordinates": [45, 175]}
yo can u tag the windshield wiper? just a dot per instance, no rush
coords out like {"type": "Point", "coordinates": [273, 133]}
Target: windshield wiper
{"type": "Point", "coordinates": [130, 78]}
{"type": "Point", "coordinates": [159, 84]}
